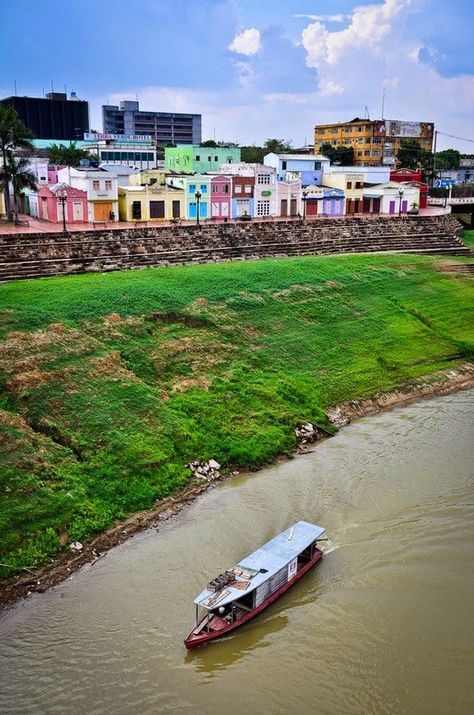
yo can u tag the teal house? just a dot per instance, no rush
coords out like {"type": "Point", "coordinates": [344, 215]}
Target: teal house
{"type": "Point", "coordinates": [193, 158]}
{"type": "Point", "coordinates": [191, 186]}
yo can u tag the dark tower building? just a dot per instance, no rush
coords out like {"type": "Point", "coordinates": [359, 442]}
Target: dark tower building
{"type": "Point", "coordinates": [52, 117]}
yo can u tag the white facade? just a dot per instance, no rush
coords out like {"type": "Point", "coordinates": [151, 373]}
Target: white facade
{"type": "Point", "coordinates": [101, 188]}
{"type": "Point", "coordinates": [395, 198]}
{"type": "Point", "coordinates": [39, 167]}
{"type": "Point", "coordinates": [371, 174]}
{"type": "Point", "coordinates": [289, 202]}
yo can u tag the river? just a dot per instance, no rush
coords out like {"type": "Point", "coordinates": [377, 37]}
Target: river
{"type": "Point", "coordinates": [384, 624]}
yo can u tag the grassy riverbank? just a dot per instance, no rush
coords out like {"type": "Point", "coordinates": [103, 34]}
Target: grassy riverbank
{"type": "Point", "coordinates": [110, 384]}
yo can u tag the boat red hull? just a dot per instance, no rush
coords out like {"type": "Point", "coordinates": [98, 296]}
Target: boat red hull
{"type": "Point", "coordinates": [194, 641]}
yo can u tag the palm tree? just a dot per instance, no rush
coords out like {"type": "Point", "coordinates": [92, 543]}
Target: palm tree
{"type": "Point", "coordinates": [16, 172]}
{"type": "Point", "coordinates": [13, 135]}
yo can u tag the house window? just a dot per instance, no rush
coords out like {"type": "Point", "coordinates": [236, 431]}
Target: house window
{"type": "Point", "coordinates": [216, 158]}
{"type": "Point", "coordinates": [209, 158]}
{"type": "Point", "coordinates": [198, 158]}
{"type": "Point", "coordinates": [192, 188]}
{"type": "Point", "coordinates": [263, 179]}
{"type": "Point", "coordinates": [225, 188]}
{"type": "Point", "coordinates": [349, 185]}
{"type": "Point", "coordinates": [248, 188]}
{"type": "Point", "coordinates": [108, 185]}
{"type": "Point", "coordinates": [359, 153]}
{"type": "Point", "coordinates": [95, 185]}
{"type": "Point", "coordinates": [203, 188]}
{"type": "Point", "coordinates": [263, 208]}
{"type": "Point", "coordinates": [360, 140]}
{"type": "Point", "coordinates": [215, 189]}
{"type": "Point", "coordinates": [359, 185]}
{"type": "Point", "coordinates": [367, 152]}
{"type": "Point", "coordinates": [238, 189]}
{"type": "Point", "coordinates": [283, 164]}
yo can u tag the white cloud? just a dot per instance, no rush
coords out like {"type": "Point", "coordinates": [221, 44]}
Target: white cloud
{"type": "Point", "coordinates": [246, 42]}
{"type": "Point", "coordinates": [325, 18]}
{"type": "Point", "coordinates": [328, 87]}
{"type": "Point", "coordinates": [368, 27]}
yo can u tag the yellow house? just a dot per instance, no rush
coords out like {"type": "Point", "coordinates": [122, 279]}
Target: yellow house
{"type": "Point", "coordinates": [149, 176]}
{"type": "Point", "coordinates": [150, 203]}
{"type": "Point", "coordinates": [352, 183]}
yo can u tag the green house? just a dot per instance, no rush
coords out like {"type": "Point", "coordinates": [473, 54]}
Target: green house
{"type": "Point", "coordinates": [193, 158]}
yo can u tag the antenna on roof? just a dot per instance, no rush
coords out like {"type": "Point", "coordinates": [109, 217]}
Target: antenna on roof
{"type": "Point", "coordinates": [52, 88]}
{"type": "Point", "coordinates": [367, 115]}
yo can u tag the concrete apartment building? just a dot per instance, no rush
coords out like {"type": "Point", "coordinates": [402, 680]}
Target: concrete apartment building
{"type": "Point", "coordinates": [163, 127]}
{"type": "Point", "coordinates": [375, 142]}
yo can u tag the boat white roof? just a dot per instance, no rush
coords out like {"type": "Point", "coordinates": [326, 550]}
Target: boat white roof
{"type": "Point", "coordinates": [272, 557]}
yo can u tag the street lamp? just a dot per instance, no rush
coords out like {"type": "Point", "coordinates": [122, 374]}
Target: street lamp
{"type": "Point", "coordinates": [62, 196]}
{"type": "Point", "coordinates": [400, 194]}
{"type": "Point", "coordinates": [198, 198]}
{"type": "Point", "coordinates": [304, 199]}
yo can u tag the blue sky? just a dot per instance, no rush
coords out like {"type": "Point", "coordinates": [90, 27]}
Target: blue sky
{"type": "Point", "coordinates": [253, 68]}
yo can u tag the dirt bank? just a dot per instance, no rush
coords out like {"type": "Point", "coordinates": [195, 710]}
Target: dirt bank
{"type": "Point", "coordinates": [40, 579]}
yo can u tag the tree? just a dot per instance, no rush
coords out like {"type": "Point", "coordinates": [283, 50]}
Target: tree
{"type": "Point", "coordinates": [210, 143]}
{"type": "Point", "coordinates": [343, 155]}
{"type": "Point", "coordinates": [411, 154]}
{"type": "Point", "coordinates": [68, 155]}
{"type": "Point", "coordinates": [13, 135]}
{"type": "Point", "coordinates": [448, 159]}
{"type": "Point", "coordinates": [277, 146]}
{"type": "Point", "coordinates": [252, 154]}
{"type": "Point", "coordinates": [16, 172]}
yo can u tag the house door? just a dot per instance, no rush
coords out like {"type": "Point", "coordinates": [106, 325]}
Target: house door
{"type": "Point", "coordinates": [391, 207]}
{"type": "Point", "coordinates": [77, 211]}
{"type": "Point", "coordinates": [192, 210]}
{"type": "Point", "coordinates": [284, 207]}
{"type": "Point", "coordinates": [44, 210]}
{"type": "Point", "coordinates": [60, 210]}
{"type": "Point", "coordinates": [157, 209]}
{"type": "Point", "coordinates": [349, 206]}
{"type": "Point", "coordinates": [376, 206]}
{"type": "Point", "coordinates": [215, 208]}
{"type": "Point", "coordinates": [404, 207]}
{"type": "Point", "coordinates": [293, 206]}
{"type": "Point", "coordinates": [366, 206]}
{"type": "Point", "coordinates": [311, 208]}
{"type": "Point", "coordinates": [102, 211]}
{"type": "Point", "coordinates": [176, 209]}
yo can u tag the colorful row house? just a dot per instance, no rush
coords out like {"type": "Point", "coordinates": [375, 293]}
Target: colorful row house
{"type": "Point", "coordinates": [101, 189]}
{"type": "Point", "coordinates": [197, 191]}
{"type": "Point", "coordinates": [156, 202]}
{"type": "Point", "coordinates": [390, 198]}
{"type": "Point", "coordinates": [323, 201]}
{"type": "Point", "coordinates": [47, 203]}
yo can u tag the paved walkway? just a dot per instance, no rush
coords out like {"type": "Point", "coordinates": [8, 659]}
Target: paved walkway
{"type": "Point", "coordinates": [39, 226]}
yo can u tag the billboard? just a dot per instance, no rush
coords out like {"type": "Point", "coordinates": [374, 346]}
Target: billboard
{"type": "Point", "coordinates": [403, 130]}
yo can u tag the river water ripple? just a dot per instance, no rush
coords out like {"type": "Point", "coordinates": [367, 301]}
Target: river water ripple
{"type": "Point", "coordinates": [383, 625]}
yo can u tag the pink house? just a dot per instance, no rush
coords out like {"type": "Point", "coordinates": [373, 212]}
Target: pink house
{"type": "Point", "coordinates": [53, 173]}
{"type": "Point", "coordinates": [221, 196]}
{"type": "Point", "coordinates": [50, 207]}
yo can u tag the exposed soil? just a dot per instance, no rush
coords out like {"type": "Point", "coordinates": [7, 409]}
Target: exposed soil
{"type": "Point", "coordinates": [39, 580]}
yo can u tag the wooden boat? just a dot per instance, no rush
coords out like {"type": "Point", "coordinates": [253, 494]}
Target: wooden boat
{"type": "Point", "coordinates": [244, 591]}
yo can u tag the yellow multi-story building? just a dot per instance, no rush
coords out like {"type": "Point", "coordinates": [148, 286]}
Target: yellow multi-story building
{"type": "Point", "coordinates": [375, 142]}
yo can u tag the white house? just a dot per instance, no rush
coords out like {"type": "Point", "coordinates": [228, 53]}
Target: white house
{"type": "Point", "coordinates": [289, 201]}
{"type": "Point", "coordinates": [307, 168]}
{"type": "Point", "coordinates": [101, 187]}
{"type": "Point", "coordinates": [390, 198]}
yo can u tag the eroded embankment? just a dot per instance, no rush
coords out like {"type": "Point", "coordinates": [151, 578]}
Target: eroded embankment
{"type": "Point", "coordinates": [66, 563]}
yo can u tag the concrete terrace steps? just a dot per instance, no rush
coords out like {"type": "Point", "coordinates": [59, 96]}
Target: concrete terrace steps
{"type": "Point", "coordinates": [48, 254]}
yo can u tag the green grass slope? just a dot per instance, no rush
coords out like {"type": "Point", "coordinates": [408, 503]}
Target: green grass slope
{"type": "Point", "coordinates": [110, 384]}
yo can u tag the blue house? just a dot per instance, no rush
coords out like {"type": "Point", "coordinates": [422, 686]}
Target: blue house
{"type": "Point", "coordinates": [307, 168]}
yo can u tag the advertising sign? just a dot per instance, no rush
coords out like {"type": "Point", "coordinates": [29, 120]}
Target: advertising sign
{"type": "Point", "coordinates": [443, 183]}
{"type": "Point", "coordinates": [292, 566]}
{"type": "Point", "coordinates": [99, 137]}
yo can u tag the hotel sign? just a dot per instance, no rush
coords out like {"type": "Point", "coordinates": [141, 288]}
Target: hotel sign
{"type": "Point", "coordinates": [101, 137]}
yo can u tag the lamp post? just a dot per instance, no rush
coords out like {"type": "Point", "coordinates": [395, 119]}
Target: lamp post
{"type": "Point", "coordinates": [198, 198]}
{"type": "Point", "coordinates": [400, 195]}
{"type": "Point", "coordinates": [304, 199]}
{"type": "Point", "coordinates": [62, 196]}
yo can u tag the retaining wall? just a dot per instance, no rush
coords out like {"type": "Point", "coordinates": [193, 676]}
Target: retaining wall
{"type": "Point", "coordinates": [35, 255]}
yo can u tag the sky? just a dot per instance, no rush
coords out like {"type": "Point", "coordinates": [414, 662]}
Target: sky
{"type": "Point", "coordinates": [254, 69]}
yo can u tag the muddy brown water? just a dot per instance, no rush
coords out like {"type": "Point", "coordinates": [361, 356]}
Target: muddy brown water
{"type": "Point", "coordinates": [383, 625]}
